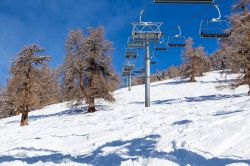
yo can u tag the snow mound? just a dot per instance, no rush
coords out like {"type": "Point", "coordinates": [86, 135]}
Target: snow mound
{"type": "Point", "coordinates": [188, 124]}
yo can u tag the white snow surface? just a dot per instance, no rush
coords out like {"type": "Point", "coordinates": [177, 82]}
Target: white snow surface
{"type": "Point", "coordinates": [188, 124]}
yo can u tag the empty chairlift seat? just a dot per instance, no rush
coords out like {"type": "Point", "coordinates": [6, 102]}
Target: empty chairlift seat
{"type": "Point", "coordinates": [146, 31]}
{"type": "Point", "coordinates": [131, 53]}
{"type": "Point", "coordinates": [177, 40]}
{"type": "Point", "coordinates": [128, 67]}
{"type": "Point", "coordinates": [153, 59]}
{"type": "Point", "coordinates": [160, 46]}
{"type": "Point", "coordinates": [147, 36]}
{"type": "Point", "coordinates": [214, 29]}
{"type": "Point", "coordinates": [135, 44]}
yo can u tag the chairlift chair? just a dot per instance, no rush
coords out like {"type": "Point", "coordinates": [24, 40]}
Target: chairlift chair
{"type": "Point", "coordinates": [160, 46]}
{"type": "Point", "coordinates": [215, 27]}
{"type": "Point", "coordinates": [128, 67]}
{"type": "Point", "coordinates": [153, 59]}
{"type": "Point", "coordinates": [146, 31]}
{"type": "Point", "coordinates": [135, 44]}
{"type": "Point", "coordinates": [131, 53]}
{"type": "Point", "coordinates": [147, 36]}
{"type": "Point", "coordinates": [138, 71]}
{"type": "Point", "coordinates": [177, 40]}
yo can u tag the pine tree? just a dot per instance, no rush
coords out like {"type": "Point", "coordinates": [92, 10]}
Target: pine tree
{"type": "Point", "coordinates": [23, 70]}
{"type": "Point", "coordinates": [236, 49]}
{"type": "Point", "coordinates": [195, 61]}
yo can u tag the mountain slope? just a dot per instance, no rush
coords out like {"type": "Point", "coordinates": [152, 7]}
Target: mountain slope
{"type": "Point", "coordinates": [187, 123]}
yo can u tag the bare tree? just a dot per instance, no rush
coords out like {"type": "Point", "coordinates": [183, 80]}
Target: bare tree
{"type": "Point", "coordinates": [47, 87]}
{"type": "Point", "coordinates": [218, 60]}
{"type": "Point", "coordinates": [236, 49]}
{"type": "Point", "coordinates": [173, 72]}
{"type": "Point", "coordinates": [195, 61]}
{"type": "Point", "coordinates": [23, 70]}
{"type": "Point", "coordinates": [100, 79]}
{"type": "Point", "coordinates": [87, 73]}
{"type": "Point", "coordinates": [73, 68]}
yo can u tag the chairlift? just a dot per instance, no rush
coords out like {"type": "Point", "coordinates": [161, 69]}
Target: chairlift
{"type": "Point", "coordinates": [146, 31]}
{"type": "Point", "coordinates": [160, 46]}
{"type": "Point", "coordinates": [146, 36]}
{"type": "Point", "coordinates": [215, 27]}
{"type": "Point", "coordinates": [139, 70]}
{"type": "Point", "coordinates": [153, 59]}
{"type": "Point", "coordinates": [128, 66]}
{"type": "Point", "coordinates": [131, 53]}
{"type": "Point", "coordinates": [177, 40]}
{"type": "Point", "coordinates": [135, 44]}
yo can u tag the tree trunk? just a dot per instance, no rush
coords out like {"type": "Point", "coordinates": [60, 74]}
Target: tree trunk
{"type": "Point", "coordinates": [249, 91]}
{"type": "Point", "coordinates": [91, 103]}
{"type": "Point", "coordinates": [192, 78]}
{"type": "Point", "coordinates": [17, 111]}
{"type": "Point", "coordinates": [24, 118]}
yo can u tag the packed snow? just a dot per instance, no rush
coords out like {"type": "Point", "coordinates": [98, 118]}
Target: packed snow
{"type": "Point", "coordinates": [188, 124]}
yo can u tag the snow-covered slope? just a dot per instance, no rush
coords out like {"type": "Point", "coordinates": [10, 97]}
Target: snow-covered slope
{"type": "Point", "coordinates": [187, 124]}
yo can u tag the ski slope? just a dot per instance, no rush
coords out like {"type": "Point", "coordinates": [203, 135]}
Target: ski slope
{"type": "Point", "coordinates": [189, 124]}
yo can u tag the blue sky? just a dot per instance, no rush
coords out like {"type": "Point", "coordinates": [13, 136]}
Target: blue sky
{"type": "Point", "coordinates": [47, 23]}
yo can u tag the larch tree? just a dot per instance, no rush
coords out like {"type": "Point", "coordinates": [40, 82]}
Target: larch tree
{"type": "Point", "coordinates": [9, 99]}
{"type": "Point", "coordinates": [73, 68]}
{"type": "Point", "coordinates": [47, 87]}
{"type": "Point", "coordinates": [2, 96]}
{"type": "Point", "coordinates": [218, 60]}
{"type": "Point", "coordinates": [173, 72]}
{"type": "Point", "coordinates": [24, 70]}
{"type": "Point", "coordinates": [87, 73]}
{"type": "Point", "coordinates": [195, 61]}
{"type": "Point", "coordinates": [236, 49]}
{"type": "Point", "coordinates": [100, 79]}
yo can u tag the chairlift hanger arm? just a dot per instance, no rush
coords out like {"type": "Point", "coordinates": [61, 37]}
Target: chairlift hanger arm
{"type": "Point", "coordinates": [179, 28]}
{"type": "Point", "coordinates": [141, 15]}
{"type": "Point", "coordinates": [219, 13]}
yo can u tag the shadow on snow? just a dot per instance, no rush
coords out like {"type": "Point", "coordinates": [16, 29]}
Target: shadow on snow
{"type": "Point", "coordinates": [68, 112]}
{"type": "Point", "coordinates": [123, 151]}
{"type": "Point", "coordinates": [182, 122]}
{"type": "Point", "coordinates": [192, 99]}
{"type": "Point", "coordinates": [197, 99]}
{"type": "Point", "coordinates": [227, 113]}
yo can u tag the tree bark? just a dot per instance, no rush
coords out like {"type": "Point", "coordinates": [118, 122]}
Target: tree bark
{"type": "Point", "coordinates": [91, 105]}
{"type": "Point", "coordinates": [249, 91]}
{"type": "Point", "coordinates": [24, 118]}
{"type": "Point", "coordinates": [192, 78]}
{"type": "Point", "coordinates": [17, 111]}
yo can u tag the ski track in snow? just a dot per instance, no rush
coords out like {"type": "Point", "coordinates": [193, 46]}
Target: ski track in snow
{"type": "Point", "coordinates": [188, 124]}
